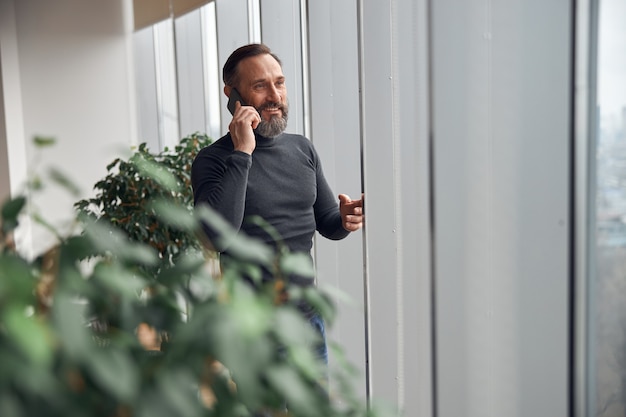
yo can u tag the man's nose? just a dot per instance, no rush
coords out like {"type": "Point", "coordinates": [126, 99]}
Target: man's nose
{"type": "Point", "coordinates": [274, 94]}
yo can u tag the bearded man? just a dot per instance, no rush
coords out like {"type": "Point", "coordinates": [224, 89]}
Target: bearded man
{"type": "Point", "coordinates": [257, 169]}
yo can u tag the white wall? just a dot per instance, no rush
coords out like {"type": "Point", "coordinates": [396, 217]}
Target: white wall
{"type": "Point", "coordinates": [12, 148]}
{"type": "Point", "coordinates": [75, 84]}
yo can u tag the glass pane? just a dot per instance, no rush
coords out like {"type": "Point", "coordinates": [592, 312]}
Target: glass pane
{"type": "Point", "coordinates": [608, 287]}
{"type": "Point", "coordinates": [254, 21]}
{"type": "Point", "coordinates": [212, 74]}
{"type": "Point", "coordinates": [167, 95]}
{"type": "Point", "coordinates": [145, 84]}
{"type": "Point", "coordinates": [190, 73]}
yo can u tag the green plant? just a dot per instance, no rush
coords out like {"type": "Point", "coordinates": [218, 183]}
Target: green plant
{"type": "Point", "coordinates": [69, 342]}
{"type": "Point", "coordinates": [124, 197]}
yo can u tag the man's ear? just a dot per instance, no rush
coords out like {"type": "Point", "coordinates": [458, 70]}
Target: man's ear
{"type": "Point", "coordinates": [227, 90]}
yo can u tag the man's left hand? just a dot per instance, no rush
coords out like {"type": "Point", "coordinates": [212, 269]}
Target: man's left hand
{"type": "Point", "coordinates": [351, 213]}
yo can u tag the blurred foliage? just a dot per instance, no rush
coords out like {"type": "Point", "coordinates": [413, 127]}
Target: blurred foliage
{"type": "Point", "coordinates": [115, 322]}
{"type": "Point", "coordinates": [125, 196]}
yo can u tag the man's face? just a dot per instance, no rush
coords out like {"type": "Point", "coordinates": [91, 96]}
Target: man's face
{"type": "Point", "coordinates": [262, 85]}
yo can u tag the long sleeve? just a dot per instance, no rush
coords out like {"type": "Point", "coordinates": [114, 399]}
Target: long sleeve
{"type": "Point", "coordinates": [327, 216]}
{"type": "Point", "coordinates": [282, 182]}
{"type": "Point", "coordinates": [219, 177]}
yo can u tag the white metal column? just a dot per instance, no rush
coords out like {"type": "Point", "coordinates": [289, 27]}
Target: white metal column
{"type": "Point", "coordinates": [396, 175]}
{"type": "Point", "coordinates": [335, 131]}
{"type": "Point", "coordinates": [585, 139]}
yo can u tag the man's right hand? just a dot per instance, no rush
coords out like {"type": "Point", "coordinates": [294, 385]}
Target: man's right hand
{"type": "Point", "coordinates": [242, 126]}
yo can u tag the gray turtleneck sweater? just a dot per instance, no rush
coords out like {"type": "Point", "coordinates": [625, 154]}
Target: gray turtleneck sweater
{"type": "Point", "coordinates": [282, 182]}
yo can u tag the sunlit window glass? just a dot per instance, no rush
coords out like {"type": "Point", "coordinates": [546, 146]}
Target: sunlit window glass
{"type": "Point", "coordinates": [608, 286]}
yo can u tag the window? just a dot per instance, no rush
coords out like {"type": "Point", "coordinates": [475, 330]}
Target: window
{"type": "Point", "coordinates": [177, 78]}
{"type": "Point", "coordinates": [607, 301]}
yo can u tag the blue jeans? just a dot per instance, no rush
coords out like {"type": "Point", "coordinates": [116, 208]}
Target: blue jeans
{"type": "Point", "coordinates": [321, 351]}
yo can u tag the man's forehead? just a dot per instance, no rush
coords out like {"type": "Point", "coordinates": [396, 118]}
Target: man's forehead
{"type": "Point", "coordinates": [260, 67]}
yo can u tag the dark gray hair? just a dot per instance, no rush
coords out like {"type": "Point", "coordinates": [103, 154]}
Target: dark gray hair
{"type": "Point", "coordinates": [230, 74]}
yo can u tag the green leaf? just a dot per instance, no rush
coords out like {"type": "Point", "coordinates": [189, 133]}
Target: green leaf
{"type": "Point", "coordinates": [247, 249]}
{"type": "Point", "coordinates": [156, 402]}
{"type": "Point", "coordinates": [11, 210]}
{"type": "Point", "coordinates": [42, 141]}
{"type": "Point", "coordinates": [116, 372]}
{"type": "Point", "coordinates": [251, 316]}
{"type": "Point", "coordinates": [178, 389]}
{"type": "Point", "coordinates": [78, 247]}
{"type": "Point", "coordinates": [16, 280]}
{"type": "Point", "coordinates": [296, 392]}
{"type": "Point", "coordinates": [239, 245]}
{"type": "Point", "coordinates": [240, 347]}
{"type": "Point", "coordinates": [174, 215]}
{"type": "Point", "coordinates": [320, 302]}
{"type": "Point", "coordinates": [267, 227]}
{"type": "Point", "coordinates": [189, 269]}
{"type": "Point", "coordinates": [36, 183]}
{"type": "Point", "coordinates": [335, 293]}
{"type": "Point", "coordinates": [233, 271]}
{"type": "Point", "coordinates": [306, 362]}
{"type": "Point", "coordinates": [118, 279]}
{"type": "Point", "coordinates": [113, 164]}
{"type": "Point", "coordinates": [39, 382]}
{"type": "Point", "coordinates": [30, 335]}
{"type": "Point", "coordinates": [297, 263]}
{"type": "Point", "coordinates": [70, 324]}
{"type": "Point", "coordinates": [292, 329]}
{"type": "Point", "coordinates": [46, 224]}
{"type": "Point", "coordinates": [10, 406]}
{"type": "Point", "coordinates": [157, 172]}
{"type": "Point", "coordinates": [64, 181]}
{"type": "Point", "coordinates": [108, 239]}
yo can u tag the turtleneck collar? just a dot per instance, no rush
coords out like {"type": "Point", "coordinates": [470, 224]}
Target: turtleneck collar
{"type": "Point", "coordinates": [263, 142]}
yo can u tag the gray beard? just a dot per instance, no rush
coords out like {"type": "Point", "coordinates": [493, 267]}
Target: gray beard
{"type": "Point", "coordinates": [276, 125]}
{"type": "Point", "coordinates": [272, 128]}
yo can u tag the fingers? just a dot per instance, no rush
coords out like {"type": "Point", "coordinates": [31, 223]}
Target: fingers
{"type": "Point", "coordinates": [242, 125]}
{"type": "Point", "coordinates": [352, 224]}
{"type": "Point", "coordinates": [351, 212]}
{"type": "Point", "coordinates": [245, 114]}
{"type": "Point", "coordinates": [345, 199]}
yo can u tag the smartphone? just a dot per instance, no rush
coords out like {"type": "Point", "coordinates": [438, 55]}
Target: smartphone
{"type": "Point", "coordinates": [234, 98]}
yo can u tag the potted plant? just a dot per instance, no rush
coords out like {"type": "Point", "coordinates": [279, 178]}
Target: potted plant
{"type": "Point", "coordinates": [68, 328]}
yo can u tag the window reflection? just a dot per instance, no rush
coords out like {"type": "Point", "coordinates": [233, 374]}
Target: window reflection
{"type": "Point", "coordinates": [608, 287]}
{"type": "Point", "coordinates": [166, 84]}
{"type": "Point", "coordinates": [177, 78]}
{"type": "Point", "coordinates": [212, 75]}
